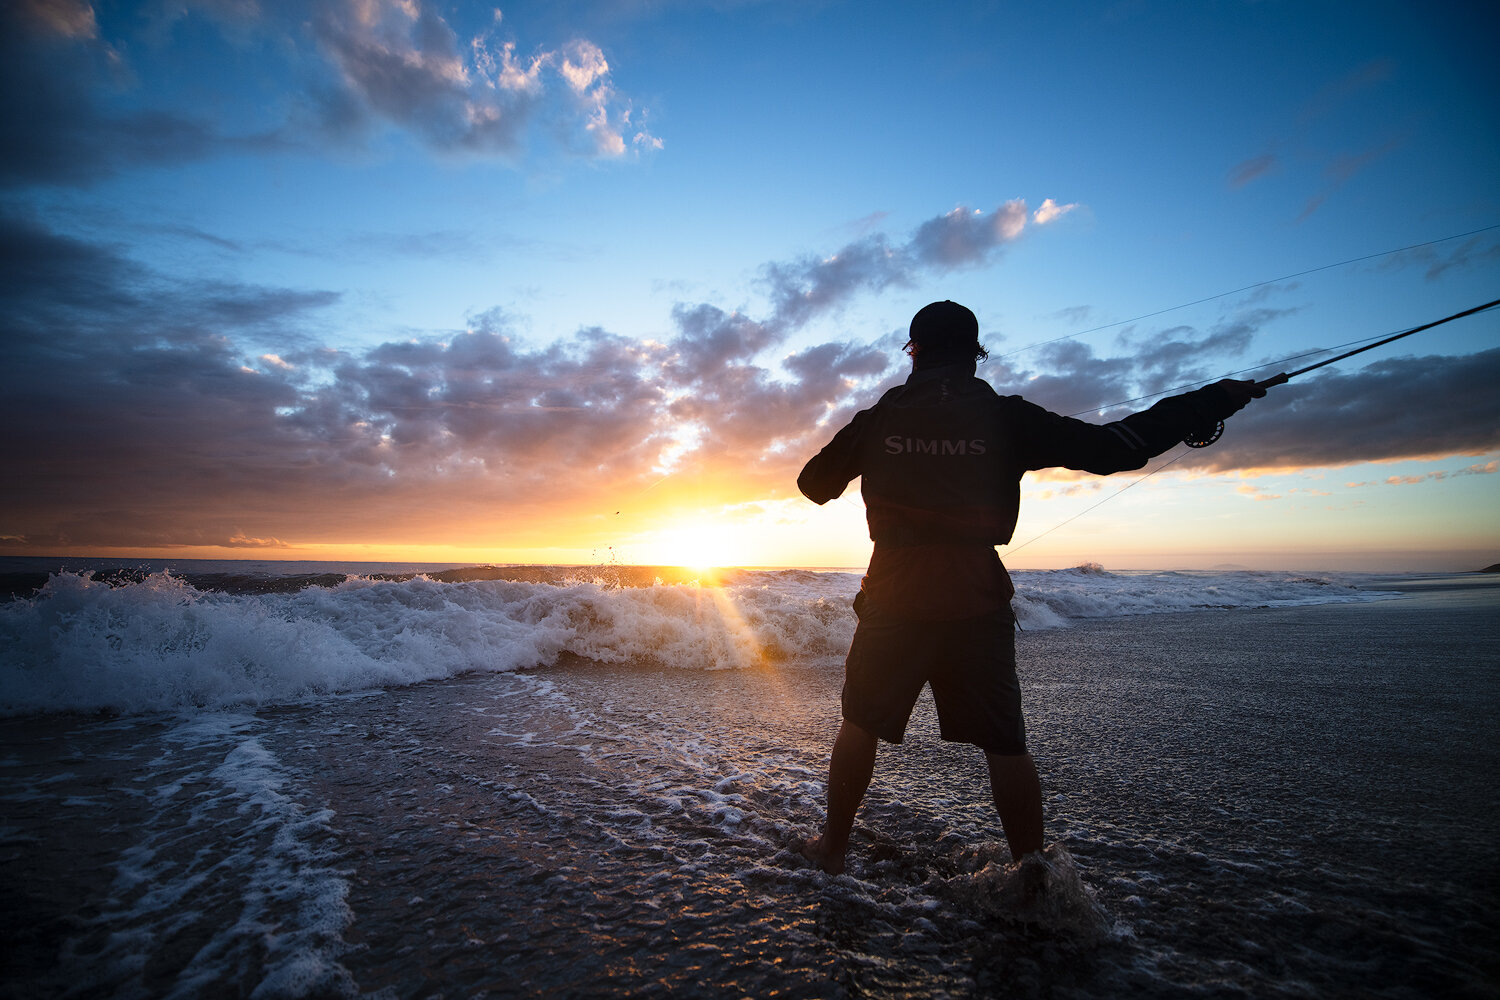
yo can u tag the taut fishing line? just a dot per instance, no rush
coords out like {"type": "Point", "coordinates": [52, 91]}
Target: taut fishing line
{"type": "Point", "coordinates": [1199, 440]}
{"type": "Point", "coordinates": [1369, 342]}
{"type": "Point", "coordinates": [1245, 288]}
{"type": "Point", "coordinates": [1134, 482]}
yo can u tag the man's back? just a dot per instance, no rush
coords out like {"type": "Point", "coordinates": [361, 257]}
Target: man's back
{"type": "Point", "coordinates": [936, 463]}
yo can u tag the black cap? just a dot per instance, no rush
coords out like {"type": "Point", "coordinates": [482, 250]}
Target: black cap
{"type": "Point", "coordinates": [945, 327]}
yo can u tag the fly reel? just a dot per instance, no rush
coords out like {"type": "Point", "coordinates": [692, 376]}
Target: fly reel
{"type": "Point", "coordinates": [1204, 436]}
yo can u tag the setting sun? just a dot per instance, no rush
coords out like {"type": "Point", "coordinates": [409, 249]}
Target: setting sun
{"type": "Point", "coordinates": [698, 544]}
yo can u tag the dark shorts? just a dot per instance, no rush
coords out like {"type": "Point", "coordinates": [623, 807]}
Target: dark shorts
{"type": "Point", "coordinates": [971, 665]}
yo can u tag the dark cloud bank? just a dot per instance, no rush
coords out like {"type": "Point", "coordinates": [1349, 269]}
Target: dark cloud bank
{"type": "Point", "coordinates": [139, 419]}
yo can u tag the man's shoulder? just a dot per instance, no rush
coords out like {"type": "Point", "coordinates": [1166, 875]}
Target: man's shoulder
{"type": "Point", "coordinates": [946, 386]}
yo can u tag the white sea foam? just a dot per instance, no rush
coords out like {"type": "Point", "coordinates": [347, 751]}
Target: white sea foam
{"type": "Point", "coordinates": [160, 644]}
{"type": "Point", "coordinates": [1048, 598]}
{"type": "Point", "coordinates": [239, 866]}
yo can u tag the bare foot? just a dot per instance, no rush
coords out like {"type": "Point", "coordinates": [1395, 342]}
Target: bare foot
{"type": "Point", "coordinates": [814, 851]}
{"type": "Point", "coordinates": [1035, 872]}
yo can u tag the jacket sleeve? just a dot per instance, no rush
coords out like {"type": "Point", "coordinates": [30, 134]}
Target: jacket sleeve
{"type": "Point", "coordinates": [827, 473]}
{"type": "Point", "coordinates": [1049, 440]}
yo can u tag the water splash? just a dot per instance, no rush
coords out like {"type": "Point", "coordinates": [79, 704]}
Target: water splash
{"type": "Point", "coordinates": [1045, 890]}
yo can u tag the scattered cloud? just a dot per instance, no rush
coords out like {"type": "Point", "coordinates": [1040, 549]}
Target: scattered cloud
{"type": "Point", "coordinates": [1344, 167]}
{"type": "Point", "coordinates": [204, 438]}
{"type": "Point", "coordinates": [239, 541]}
{"type": "Point", "coordinates": [1336, 94]}
{"type": "Point", "coordinates": [1485, 469]}
{"type": "Point", "coordinates": [1303, 144]}
{"type": "Point", "coordinates": [352, 69]}
{"type": "Point", "coordinates": [1074, 315]}
{"type": "Point", "coordinates": [1050, 211]}
{"type": "Point", "coordinates": [1252, 169]}
{"type": "Point", "coordinates": [1478, 251]}
{"type": "Point", "coordinates": [1073, 489]}
{"type": "Point", "coordinates": [401, 62]}
{"type": "Point", "coordinates": [1181, 354]}
{"type": "Point", "coordinates": [964, 237]}
{"type": "Point", "coordinates": [62, 18]}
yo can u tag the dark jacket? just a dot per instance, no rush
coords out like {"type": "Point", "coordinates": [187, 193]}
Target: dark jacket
{"type": "Point", "coordinates": [941, 459]}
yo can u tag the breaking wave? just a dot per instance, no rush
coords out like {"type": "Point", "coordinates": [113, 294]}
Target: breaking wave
{"type": "Point", "coordinates": [156, 641]}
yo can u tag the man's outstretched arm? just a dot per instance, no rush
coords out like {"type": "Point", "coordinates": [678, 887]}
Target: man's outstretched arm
{"type": "Point", "coordinates": [1053, 440]}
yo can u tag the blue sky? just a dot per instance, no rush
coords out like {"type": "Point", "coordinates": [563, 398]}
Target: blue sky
{"type": "Point", "coordinates": [445, 281]}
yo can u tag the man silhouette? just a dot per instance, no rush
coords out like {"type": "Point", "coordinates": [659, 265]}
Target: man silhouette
{"type": "Point", "coordinates": [940, 459]}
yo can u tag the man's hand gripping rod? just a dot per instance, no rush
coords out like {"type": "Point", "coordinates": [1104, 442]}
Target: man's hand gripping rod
{"type": "Point", "coordinates": [1202, 439]}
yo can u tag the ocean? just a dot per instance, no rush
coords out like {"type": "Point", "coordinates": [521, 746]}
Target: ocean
{"type": "Point", "coordinates": [274, 780]}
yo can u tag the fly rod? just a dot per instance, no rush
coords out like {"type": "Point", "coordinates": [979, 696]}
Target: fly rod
{"type": "Point", "coordinates": [1204, 438]}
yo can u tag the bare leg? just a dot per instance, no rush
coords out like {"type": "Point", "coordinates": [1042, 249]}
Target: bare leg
{"type": "Point", "coordinates": [849, 771]}
{"type": "Point", "coordinates": [1018, 800]}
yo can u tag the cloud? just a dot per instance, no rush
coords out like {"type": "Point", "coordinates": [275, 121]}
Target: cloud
{"type": "Point", "coordinates": [201, 440]}
{"type": "Point", "coordinates": [151, 420]}
{"type": "Point", "coordinates": [1337, 98]}
{"type": "Point", "coordinates": [709, 338]}
{"type": "Point", "coordinates": [804, 288]}
{"type": "Point", "coordinates": [59, 288]}
{"type": "Point", "coordinates": [1342, 168]}
{"type": "Point", "coordinates": [1401, 408]}
{"type": "Point", "coordinates": [1067, 376]}
{"type": "Point", "coordinates": [964, 237]}
{"type": "Point", "coordinates": [1074, 315]}
{"type": "Point", "coordinates": [583, 65]}
{"type": "Point", "coordinates": [62, 18]}
{"type": "Point", "coordinates": [60, 133]}
{"type": "Point", "coordinates": [1082, 486]}
{"type": "Point", "coordinates": [1252, 169]}
{"type": "Point", "coordinates": [56, 274]}
{"type": "Point", "coordinates": [1050, 211]}
{"type": "Point", "coordinates": [1479, 251]}
{"type": "Point", "coordinates": [351, 69]}
{"type": "Point", "coordinates": [239, 541]}
{"type": "Point", "coordinates": [1486, 469]}
{"type": "Point", "coordinates": [402, 62]}
{"type": "Point", "coordinates": [1181, 355]}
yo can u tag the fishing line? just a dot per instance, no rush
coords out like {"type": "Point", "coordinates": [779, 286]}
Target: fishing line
{"type": "Point", "coordinates": [1238, 371]}
{"type": "Point", "coordinates": [1275, 380]}
{"type": "Point", "coordinates": [1136, 482]}
{"type": "Point", "coordinates": [1246, 288]}
{"type": "Point", "coordinates": [1369, 343]}
{"type": "Point", "coordinates": [1284, 376]}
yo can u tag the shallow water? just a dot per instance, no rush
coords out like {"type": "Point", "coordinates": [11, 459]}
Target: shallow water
{"type": "Point", "coordinates": [1288, 801]}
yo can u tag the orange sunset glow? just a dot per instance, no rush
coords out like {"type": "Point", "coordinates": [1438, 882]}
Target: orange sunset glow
{"type": "Point", "coordinates": [447, 286]}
